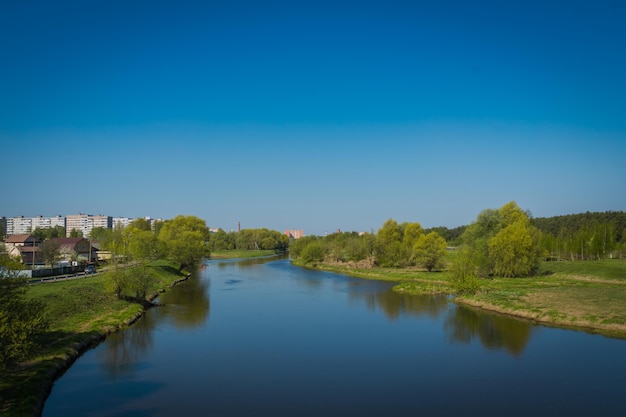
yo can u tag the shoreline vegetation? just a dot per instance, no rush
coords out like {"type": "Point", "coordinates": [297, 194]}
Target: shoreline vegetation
{"type": "Point", "coordinates": [588, 296]}
{"type": "Point", "coordinates": [82, 313]}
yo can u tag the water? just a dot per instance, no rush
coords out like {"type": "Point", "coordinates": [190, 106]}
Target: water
{"type": "Point", "coordinates": [265, 338]}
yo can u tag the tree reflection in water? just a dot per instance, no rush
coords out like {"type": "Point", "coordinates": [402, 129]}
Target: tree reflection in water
{"type": "Point", "coordinates": [123, 350]}
{"type": "Point", "coordinates": [462, 324]}
{"type": "Point", "coordinates": [188, 306]}
{"type": "Point", "coordinates": [494, 331]}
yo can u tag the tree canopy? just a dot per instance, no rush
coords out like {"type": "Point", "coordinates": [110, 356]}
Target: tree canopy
{"type": "Point", "coordinates": [503, 242]}
{"type": "Point", "coordinates": [185, 239]}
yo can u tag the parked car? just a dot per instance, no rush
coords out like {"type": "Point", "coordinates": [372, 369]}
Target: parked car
{"type": "Point", "coordinates": [90, 269]}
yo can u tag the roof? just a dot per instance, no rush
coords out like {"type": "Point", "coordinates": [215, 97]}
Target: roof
{"type": "Point", "coordinates": [67, 240]}
{"type": "Point", "coordinates": [19, 238]}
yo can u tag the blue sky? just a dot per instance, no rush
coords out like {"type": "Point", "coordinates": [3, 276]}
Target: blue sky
{"type": "Point", "coordinates": [312, 115]}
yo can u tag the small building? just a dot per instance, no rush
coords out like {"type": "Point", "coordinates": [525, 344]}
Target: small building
{"type": "Point", "coordinates": [25, 247]}
{"type": "Point", "coordinates": [76, 247]}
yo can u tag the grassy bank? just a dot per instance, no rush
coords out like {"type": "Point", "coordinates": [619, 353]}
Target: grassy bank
{"type": "Point", "coordinates": [81, 313]}
{"type": "Point", "coordinates": [232, 254]}
{"type": "Point", "coordinates": [587, 295]}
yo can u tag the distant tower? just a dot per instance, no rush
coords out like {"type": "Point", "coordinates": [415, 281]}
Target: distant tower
{"type": "Point", "coordinates": [239, 226]}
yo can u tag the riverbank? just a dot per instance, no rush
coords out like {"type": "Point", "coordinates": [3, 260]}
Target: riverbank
{"type": "Point", "coordinates": [82, 313]}
{"type": "Point", "coordinates": [582, 295]}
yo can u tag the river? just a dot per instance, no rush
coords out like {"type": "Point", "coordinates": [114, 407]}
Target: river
{"type": "Point", "coordinates": [262, 337]}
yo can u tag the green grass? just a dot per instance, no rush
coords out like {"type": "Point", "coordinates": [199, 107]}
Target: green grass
{"type": "Point", "coordinates": [79, 311]}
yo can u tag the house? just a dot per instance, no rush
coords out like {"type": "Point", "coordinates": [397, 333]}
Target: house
{"type": "Point", "coordinates": [25, 247]}
{"type": "Point", "coordinates": [76, 249]}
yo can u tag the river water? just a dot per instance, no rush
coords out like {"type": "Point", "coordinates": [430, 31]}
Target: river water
{"type": "Point", "coordinates": [265, 338]}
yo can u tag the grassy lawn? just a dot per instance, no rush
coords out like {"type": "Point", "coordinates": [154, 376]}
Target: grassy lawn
{"type": "Point", "coordinates": [589, 295]}
{"type": "Point", "coordinates": [80, 313]}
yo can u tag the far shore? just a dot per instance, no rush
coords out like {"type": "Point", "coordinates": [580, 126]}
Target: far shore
{"type": "Point", "coordinates": [588, 296]}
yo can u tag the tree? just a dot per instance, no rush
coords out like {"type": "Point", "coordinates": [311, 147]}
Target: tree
{"type": "Point", "coordinates": [51, 250]}
{"type": "Point", "coordinates": [464, 276]}
{"type": "Point", "coordinates": [430, 250]}
{"type": "Point", "coordinates": [185, 238]}
{"type": "Point", "coordinates": [76, 233]}
{"type": "Point", "coordinates": [312, 252]}
{"type": "Point", "coordinates": [141, 224]}
{"type": "Point", "coordinates": [143, 245]}
{"type": "Point", "coordinates": [49, 233]}
{"type": "Point", "coordinates": [503, 242]}
{"type": "Point", "coordinates": [390, 250]}
{"type": "Point", "coordinates": [20, 320]}
{"type": "Point", "coordinates": [116, 281]}
{"type": "Point", "coordinates": [100, 234]}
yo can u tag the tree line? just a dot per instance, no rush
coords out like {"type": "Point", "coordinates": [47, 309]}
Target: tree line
{"type": "Point", "coordinates": [248, 239]}
{"type": "Point", "coordinates": [395, 245]}
{"type": "Point", "coordinates": [584, 236]}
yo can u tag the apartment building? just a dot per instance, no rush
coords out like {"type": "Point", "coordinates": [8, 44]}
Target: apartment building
{"type": "Point", "coordinates": [86, 222]}
{"type": "Point", "coordinates": [294, 234]}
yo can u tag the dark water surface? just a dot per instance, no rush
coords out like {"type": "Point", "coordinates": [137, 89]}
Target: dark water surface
{"type": "Point", "coordinates": [265, 338]}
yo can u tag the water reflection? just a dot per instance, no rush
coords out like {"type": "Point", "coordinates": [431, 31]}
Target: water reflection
{"type": "Point", "coordinates": [461, 324]}
{"type": "Point", "coordinates": [188, 306]}
{"type": "Point", "coordinates": [395, 305]}
{"type": "Point", "coordinates": [493, 331]}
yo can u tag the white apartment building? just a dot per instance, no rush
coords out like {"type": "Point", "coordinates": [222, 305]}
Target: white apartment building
{"type": "Point", "coordinates": [24, 225]}
{"type": "Point", "coordinates": [48, 222]}
{"type": "Point", "coordinates": [86, 222]}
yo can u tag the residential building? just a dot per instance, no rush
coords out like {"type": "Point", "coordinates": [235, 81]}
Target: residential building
{"type": "Point", "coordinates": [294, 234]}
{"type": "Point", "coordinates": [24, 225]}
{"type": "Point", "coordinates": [121, 221]}
{"type": "Point", "coordinates": [86, 222]}
{"type": "Point", "coordinates": [41, 222]}
{"type": "Point", "coordinates": [76, 249]}
{"type": "Point", "coordinates": [25, 247]}
{"type": "Point", "coordinates": [19, 225]}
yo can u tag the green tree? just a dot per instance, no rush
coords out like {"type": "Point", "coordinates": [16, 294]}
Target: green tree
{"type": "Point", "coordinates": [390, 249]}
{"type": "Point", "coordinates": [503, 242]}
{"type": "Point", "coordinates": [515, 249]}
{"type": "Point", "coordinates": [50, 250]}
{"type": "Point", "coordinates": [185, 238]}
{"type": "Point", "coordinates": [312, 252]}
{"type": "Point", "coordinates": [21, 320]}
{"type": "Point", "coordinates": [464, 276]}
{"type": "Point", "coordinates": [116, 281]}
{"type": "Point", "coordinates": [430, 250]}
{"type": "Point", "coordinates": [76, 233]}
{"type": "Point", "coordinates": [141, 224]}
{"type": "Point", "coordinates": [100, 233]}
{"type": "Point", "coordinates": [144, 246]}
{"type": "Point", "coordinates": [49, 233]}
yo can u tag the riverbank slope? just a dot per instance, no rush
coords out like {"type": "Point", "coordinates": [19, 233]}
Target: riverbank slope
{"type": "Point", "coordinates": [81, 314]}
{"type": "Point", "coordinates": [583, 295]}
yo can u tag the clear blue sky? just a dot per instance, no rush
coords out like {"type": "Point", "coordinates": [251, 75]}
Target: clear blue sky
{"type": "Point", "coordinates": [312, 115]}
